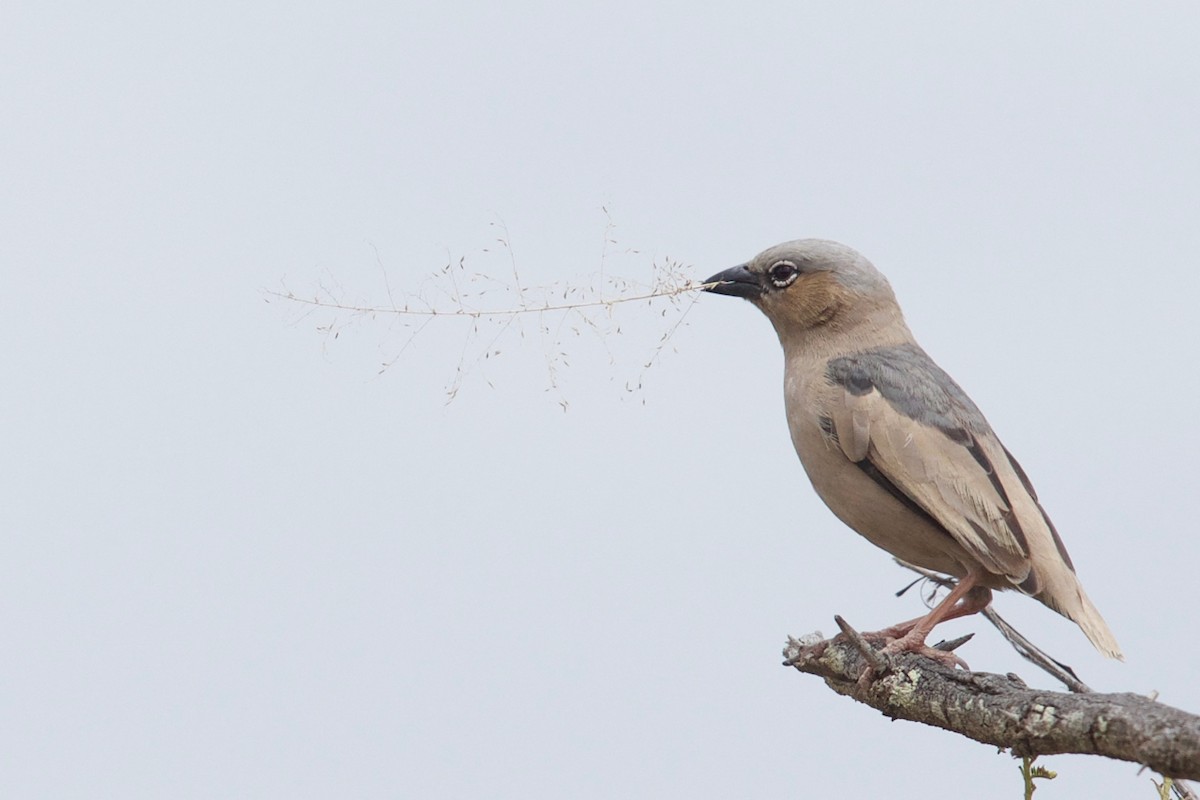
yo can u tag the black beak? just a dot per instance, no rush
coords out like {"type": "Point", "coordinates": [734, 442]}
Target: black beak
{"type": "Point", "coordinates": [738, 282]}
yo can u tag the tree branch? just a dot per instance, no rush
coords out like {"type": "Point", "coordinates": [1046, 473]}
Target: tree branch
{"type": "Point", "coordinates": [1001, 710]}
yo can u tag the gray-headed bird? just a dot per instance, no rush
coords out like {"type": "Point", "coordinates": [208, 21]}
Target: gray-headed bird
{"type": "Point", "coordinates": [896, 449]}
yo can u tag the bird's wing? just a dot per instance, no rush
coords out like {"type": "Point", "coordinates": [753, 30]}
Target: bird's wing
{"type": "Point", "coordinates": [906, 422]}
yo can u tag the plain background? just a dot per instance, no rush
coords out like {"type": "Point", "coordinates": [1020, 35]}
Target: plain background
{"type": "Point", "coordinates": [237, 561]}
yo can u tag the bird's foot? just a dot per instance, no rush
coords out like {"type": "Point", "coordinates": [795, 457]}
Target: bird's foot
{"type": "Point", "coordinates": [889, 635]}
{"type": "Point", "coordinates": [913, 642]}
{"type": "Point", "coordinates": [877, 647]}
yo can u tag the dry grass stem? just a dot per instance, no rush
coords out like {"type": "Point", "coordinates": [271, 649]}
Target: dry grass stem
{"type": "Point", "coordinates": [496, 313]}
{"type": "Point", "coordinates": [481, 313]}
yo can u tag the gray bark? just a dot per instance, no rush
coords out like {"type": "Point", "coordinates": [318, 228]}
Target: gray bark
{"type": "Point", "coordinates": [1001, 710]}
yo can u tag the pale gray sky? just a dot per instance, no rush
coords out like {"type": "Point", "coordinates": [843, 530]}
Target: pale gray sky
{"type": "Point", "coordinates": [237, 563]}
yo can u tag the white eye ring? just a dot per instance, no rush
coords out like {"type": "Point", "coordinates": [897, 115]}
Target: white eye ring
{"type": "Point", "coordinates": [783, 273]}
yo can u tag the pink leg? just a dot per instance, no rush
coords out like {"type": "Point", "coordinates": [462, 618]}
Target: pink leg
{"type": "Point", "coordinates": [974, 603]}
{"type": "Point", "coordinates": [966, 598]}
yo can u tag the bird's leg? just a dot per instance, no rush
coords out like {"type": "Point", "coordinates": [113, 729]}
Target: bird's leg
{"type": "Point", "coordinates": [970, 606]}
{"type": "Point", "coordinates": [966, 598]}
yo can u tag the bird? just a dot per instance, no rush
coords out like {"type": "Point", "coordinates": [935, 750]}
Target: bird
{"type": "Point", "coordinates": [896, 449]}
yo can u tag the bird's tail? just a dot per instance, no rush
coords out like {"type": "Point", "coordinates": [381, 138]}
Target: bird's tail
{"type": "Point", "coordinates": [1075, 605]}
{"type": "Point", "coordinates": [1096, 629]}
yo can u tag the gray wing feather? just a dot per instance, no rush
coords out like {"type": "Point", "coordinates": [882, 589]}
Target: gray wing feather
{"type": "Point", "coordinates": [913, 423]}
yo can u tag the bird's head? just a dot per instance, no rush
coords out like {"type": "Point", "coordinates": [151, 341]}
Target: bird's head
{"type": "Point", "coordinates": [807, 284]}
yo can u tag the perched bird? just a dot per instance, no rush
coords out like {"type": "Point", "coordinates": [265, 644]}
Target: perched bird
{"type": "Point", "coordinates": [896, 449]}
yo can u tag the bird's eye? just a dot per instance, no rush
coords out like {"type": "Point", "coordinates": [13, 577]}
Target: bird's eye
{"type": "Point", "coordinates": [782, 273]}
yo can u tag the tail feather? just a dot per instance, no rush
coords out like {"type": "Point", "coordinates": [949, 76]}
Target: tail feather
{"type": "Point", "coordinates": [1095, 628]}
{"type": "Point", "coordinates": [1073, 603]}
